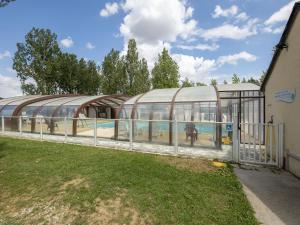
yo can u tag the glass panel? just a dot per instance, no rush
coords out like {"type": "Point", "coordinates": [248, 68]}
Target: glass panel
{"type": "Point", "coordinates": [27, 124]}
{"type": "Point", "coordinates": [48, 125]}
{"type": "Point", "coordinates": [159, 95]}
{"type": "Point", "coordinates": [183, 111]}
{"type": "Point", "coordinates": [205, 134]}
{"type": "Point", "coordinates": [105, 128]}
{"type": "Point", "coordinates": [58, 125]}
{"type": "Point", "coordinates": [197, 134]}
{"type": "Point", "coordinates": [8, 110]}
{"type": "Point", "coordinates": [8, 124]}
{"type": "Point", "coordinates": [160, 129]}
{"type": "Point", "coordinates": [125, 112]}
{"type": "Point", "coordinates": [85, 127]}
{"type": "Point", "coordinates": [29, 110]}
{"type": "Point", "coordinates": [143, 111]}
{"type": "Point", "coordinates": [66, 111]}
{"type": "Point", "coordinates": [123, 129]}
{"type": "Point", "coordinates": [141, 130]}
{"type": "Point", "coordinates": [197, 94]}
{"type": "Point", "coordinates": [205, 111]}
{"type": "Point", "coordinates": [227, 130]}
{"type": "Point", "coordinates": [46, 111]}
{"type": "Point", "coordinates": [238, 87]}
{"type": "Point", "coordinates": [160, 132]}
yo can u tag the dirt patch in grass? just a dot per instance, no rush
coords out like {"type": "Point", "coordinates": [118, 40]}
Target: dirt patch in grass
{"type": "Point", "coordinates": [26, 210]}
{"type": "Point", "coordinates": [45, 211]}
{"type": "Point", "coordinates": [116, 211]}
{"type": "Point", "coordinates": [75, 183]}
{"type": "Point", "coordinates": [193, 164]}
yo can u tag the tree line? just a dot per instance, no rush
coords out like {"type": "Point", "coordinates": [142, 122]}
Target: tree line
{"type": "Point", "coordinates": [43, 68]}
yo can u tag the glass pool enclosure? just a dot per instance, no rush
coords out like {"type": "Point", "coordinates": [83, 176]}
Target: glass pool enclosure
{"type": "Point", "coordinates": [193, 116]}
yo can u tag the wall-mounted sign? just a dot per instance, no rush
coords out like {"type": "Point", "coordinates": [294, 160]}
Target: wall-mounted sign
{"type": "Point", "coordinates": [285, 96]}
{"type": "Point", "coordinates": [229, 127]}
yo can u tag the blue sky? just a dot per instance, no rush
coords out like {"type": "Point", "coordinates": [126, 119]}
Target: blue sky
{"type": "Point", "coordinates": [207, 38]}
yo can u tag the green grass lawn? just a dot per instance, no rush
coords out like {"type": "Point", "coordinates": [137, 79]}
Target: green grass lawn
{"type": "Point", "coordinates": [51, 183]}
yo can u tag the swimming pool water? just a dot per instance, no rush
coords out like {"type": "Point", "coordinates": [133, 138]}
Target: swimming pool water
{"type": "Point", "coordinates": [163, 126]}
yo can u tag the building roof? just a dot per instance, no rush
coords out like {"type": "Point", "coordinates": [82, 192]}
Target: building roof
{"type": "Point", "coordinates": [14, 106]}
{"type": "Point", "coordinates": [189, 94]}
{"type": "Point", "coordinates": [238, 87]}
{"type": "Point", "coordinates": [282, 41]}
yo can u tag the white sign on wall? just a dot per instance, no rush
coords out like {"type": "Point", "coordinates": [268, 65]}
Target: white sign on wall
{"type": "Point", "coordinates": [285, 96]}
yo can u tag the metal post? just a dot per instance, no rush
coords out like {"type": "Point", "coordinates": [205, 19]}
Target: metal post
{"type": "Point", "coordinates": [95, 132]}
{"type": "Point", "coordinates": [65, 129]}
{"type": "Point", "coordinates": [235, 141]}
{"type": "Point", "coordinates": [20, 125]}
{"type": "Point", "coordinates": [41, 128]}
{"type": "Point", "coordinates": [176, 136]}
{"type": "Point", "coordinates": [2, 120]}
{"type": "Point", "coordinates": [130, 134]}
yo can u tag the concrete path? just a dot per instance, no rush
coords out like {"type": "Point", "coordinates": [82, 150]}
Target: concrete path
{"type": "Point", "coordinates": [274, 195]}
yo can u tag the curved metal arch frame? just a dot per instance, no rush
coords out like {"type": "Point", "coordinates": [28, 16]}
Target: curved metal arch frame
{"type": "Point", "coordinates": [13, 100]}
{"type": "Point", "coordinates": [76, 114]}
{"type": "Point", "coordinates": [218, 119]}
{"type": "Point", "coordinates": [133, 112]}
{"type": "Point", "coordinates": [171, 116]}
{"type": "Point", "coordinates": [17, 110]}
{"type": "Point", "coordinates": [57, 97]}
{"type": "Point", "coordinates": [38, 110]}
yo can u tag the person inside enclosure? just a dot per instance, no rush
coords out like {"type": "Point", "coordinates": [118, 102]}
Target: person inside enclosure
{"type": "Point", "coordinates": [191, 131]}
{"type": "Point", "coordinates": [51, 125]}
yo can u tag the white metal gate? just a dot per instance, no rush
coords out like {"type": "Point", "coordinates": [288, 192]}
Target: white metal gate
{"type": "Point", "coordinates": [261, 144]}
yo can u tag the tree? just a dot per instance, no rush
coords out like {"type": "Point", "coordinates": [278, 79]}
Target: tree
{"type": "Point", "coordinates": [35, 59]}
{"type": "Point", "coordinates": [225, 82]}
{"type": "Point", "coordinates": [235, 79]}
{"type": "Point", "coordinates": [213, 82]}
{"type": "Point", "coordinates": [165, 73]}
{"type": "Point", "coordinates": [136, 71]}
{"type": "Point", "coordinates": [262, 77]}
{"type": "Point", "coordinates": [89, 78]}
{"type": "Point", "coordinates": [143, 83]}
{"type": "Point", "coordinates": [5, 2]}
{"type": "Point", "coordinates": [113, 74]}
{"type": "Point", "coordinates": [253, 81]}
{"type": "Point", "coordinates": [67, 72]}
{"type": "Point", "coordinates": [187, 83]}
{"type": "Point", "coordinates": [244, 80]}
{"type": "Point", "coordinates": [200, 84]}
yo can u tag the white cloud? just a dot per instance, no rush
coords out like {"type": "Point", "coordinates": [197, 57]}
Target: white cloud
{"type": "Point", "coordinates": [281, 15]}
{"type": "Point", "coordinates": [90, 46]}
{"type": "Point", "coordinates": [155, 26]}
{"type": "Point", "coordinates": [219, 11]}
{"type": "Point", "coordinates": [230, 31]}
{"type": "Point", "coordinates": [110, 9]}
{"type": "Point", "coordinates": [5, 54]}
{"type": "Point", "coordinates": [201, 69]}
{"type": "Point", "coordinates": [270, 29]}
{"type": "Point", "coordinates": [202, 47]}
{"type": "Point", "coordinates": [9, 86]}
{"type": "Point", "coordinates": [233, 59]}
{"type": "Point", "coordinates": [194, 68]}
{"type": "Point", "coordinates": [67, 42]}
{"type": "Point", "coordinates": [151, 21]}
{"type": "Point", "coordinates": [242, 17]}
